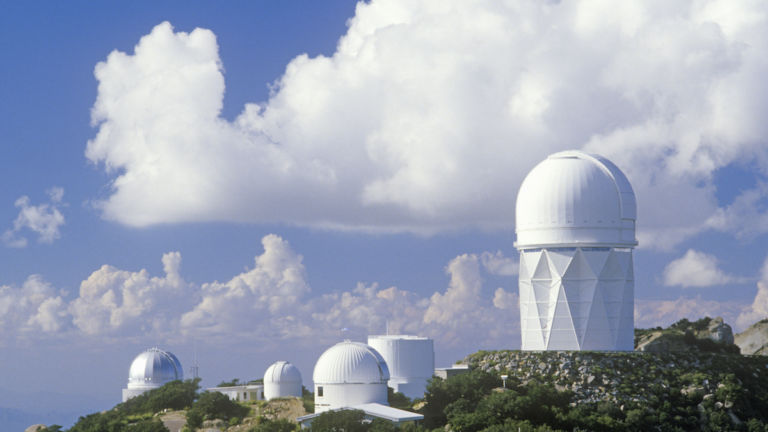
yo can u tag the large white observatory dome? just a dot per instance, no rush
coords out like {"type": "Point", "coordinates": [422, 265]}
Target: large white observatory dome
{"type": "Point", "coordinates": [575, 198]}
{"type": "Point", "coordinates": [282, 379]}
{"type": "Point", "coordinates": [348, 374]}
{"type": "Point", "coordinates": [152, 369]}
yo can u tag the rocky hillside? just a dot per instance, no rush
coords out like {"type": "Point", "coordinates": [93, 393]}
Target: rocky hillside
{"type": "Point", "coordinates": [704, 335]}
{"type": "Point", "coordinates": [754, 340]}
{"type": "Point", "coordinates": [689, 369]}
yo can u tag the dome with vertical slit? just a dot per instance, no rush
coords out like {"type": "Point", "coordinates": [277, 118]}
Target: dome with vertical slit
{"type": "Point", "coordinates": [576, 199]}
{"type": "Point", "coordinates": [351, 363]}
{"type": "Point", "coordinates": [153, 368]}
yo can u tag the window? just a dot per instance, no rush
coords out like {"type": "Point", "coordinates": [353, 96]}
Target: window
{"type": "Point", "coordinates": [320, 391]}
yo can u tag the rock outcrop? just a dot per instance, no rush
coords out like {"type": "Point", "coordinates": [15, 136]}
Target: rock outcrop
{"type": "Point", "coordinates": [712, 382]}
{"type": "Point", "coordinates": [754, 340]}
{"type": "Point", "coordinates": [704, 335]}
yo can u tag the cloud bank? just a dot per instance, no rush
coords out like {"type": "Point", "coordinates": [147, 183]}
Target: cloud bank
{"type": "Point", "coordinates": [428, 115]}
{"type": "Point", "coordinates": [268, 303]}
{"type": "Point", "coordinates": [272, 302]}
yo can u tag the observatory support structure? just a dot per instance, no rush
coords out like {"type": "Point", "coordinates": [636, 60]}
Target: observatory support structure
{"type": "Point", "coordinates": [575, 233]}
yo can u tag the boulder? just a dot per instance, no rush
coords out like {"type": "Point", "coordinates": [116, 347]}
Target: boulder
{"type": "Point", "coordinates": [717, 331]}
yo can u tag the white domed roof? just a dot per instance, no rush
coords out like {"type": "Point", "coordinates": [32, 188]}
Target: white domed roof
{"type": "Point", "coordinates": [575, 199]}
{"type": "Point", "coordinates": [154, 367]}
{"type": "Point", "coordinates": [282, 372]}
{"type": "Point", "coordinates": [351, 362]}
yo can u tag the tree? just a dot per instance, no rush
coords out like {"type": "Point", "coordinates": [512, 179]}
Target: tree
{"type": "Point", "coordinates": [214, 405]}
{"type": "Point", "coordinates": [338, 421]}
{"type": "Point", "coordinates": [398, 400]}
{"type": "Point", "coordinates": [279, 425]}
{"type": "Point", "coordinates": [471, 387]}
{"type": "Point", "coordinates": [150, 425]}
{"type": "Point", "coordinates": [174, 395]}
{"type": "Point", "coordinates": [234, 382]}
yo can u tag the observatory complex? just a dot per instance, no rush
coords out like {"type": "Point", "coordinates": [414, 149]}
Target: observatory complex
{"type": "Point", "coordinates": [575, 225]}
{"type": "Point", "coordinates": [150, 370]}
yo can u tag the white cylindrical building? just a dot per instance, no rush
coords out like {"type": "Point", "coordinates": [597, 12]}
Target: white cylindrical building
{"type": "Point", "coordinates": [349, 374]}
{"type": "Point", "coordinates": [410, 359]}
{"type": "Point", "coordinates": [282, 379]}
{"type": "Point", "coordinates": [150, 370]}
{"type": "Point", "coordinates": [575, 225]}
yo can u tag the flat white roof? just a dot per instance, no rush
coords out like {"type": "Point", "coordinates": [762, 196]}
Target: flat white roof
{"type": "Point", "coordinates": [389, 413]}
{"type": "Point", "coordinates": [237, 388]}
{"type": "Point", "coordinates": [375, 410]}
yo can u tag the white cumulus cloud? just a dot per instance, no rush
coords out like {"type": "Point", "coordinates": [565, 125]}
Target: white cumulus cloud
{"type": "Point", "coordinates": [117, 302]}
{"type": "Point", "coordinates": [428, 115]}
{"type": "Point", "coordinates": [44, 219]}
{"type": "Point", "coordinates": [256, 300]}
{"type": "Point", "coordinates": [34, 307]}
{"type": "Point", "coordinates": [697, 269]}
{"type": "Point", "coordinates": [758, 310]}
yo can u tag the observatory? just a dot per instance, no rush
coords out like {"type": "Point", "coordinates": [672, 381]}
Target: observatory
{"type": "Point", "coordinates": [349, 374]}
{"type": "Point", "coordinates": [410, 359]}
{"type": "Point", "coordinates": [282, 379]}
{"type": "Point", "coordinates": [575, 225]}
{"type": "Point", "coordinates": [150, 370]}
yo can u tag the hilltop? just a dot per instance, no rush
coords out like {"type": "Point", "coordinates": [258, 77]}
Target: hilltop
{"type": "Point", "coordinates": [690, 376]}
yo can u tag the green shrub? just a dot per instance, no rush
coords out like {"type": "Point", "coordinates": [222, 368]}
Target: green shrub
{"type": "Point", "coordinates": [175, 395]}
{"type": "Point", "coordinates": [214, 405]}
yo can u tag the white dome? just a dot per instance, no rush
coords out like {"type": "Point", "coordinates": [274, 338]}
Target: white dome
{"type": "Point", "coordinates": [153, 368]}
{"type": "Point", "coordinates": [282, 379]}
{"type": "Point", "coordinates": [282, 371]}
{"type": "Point", "coordinates": [351, 363]}
{"type": "Point", "coordinates": [575, 199]}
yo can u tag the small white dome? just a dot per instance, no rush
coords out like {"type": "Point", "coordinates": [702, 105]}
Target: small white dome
{"type": "Point", "coordinates": [282, 379]}
{"type": "Point", "coordinates": [282, 372]}
{"type": "Point", "coordinates": [153, 368]}
{"type": "Point", "coordinates": [351, 362]}
{"type": "Point", "coordinates": [575, 199]}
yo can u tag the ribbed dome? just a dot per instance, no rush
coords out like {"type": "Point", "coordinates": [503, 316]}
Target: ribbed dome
{"type": "Point", "coordinates": [351, 362]}
{"type": "Point", "coordinates": [154, 367]}
{"type": "Point", "coordinates": [574, 198]}
{"type": "Point", "coordinates": [282, 372]}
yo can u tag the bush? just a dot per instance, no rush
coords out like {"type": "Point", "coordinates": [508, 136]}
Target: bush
{"type": "Point", "coordinates": [175, 395]}
{"type": "Point", "coordinates": [280, 425]}
{"type": "Point", "coordinates": [214, 405]}
{"type": "Point", "coordinates": [471, 387]}
{"type": "Point", "coordinates": [398, 400]}
{"type": "Point", "coordinates": [308, 400]}
{"type": "Point", "coordinates": [343, 420]}
{"type": "Point", "coordinates": [151, 425]}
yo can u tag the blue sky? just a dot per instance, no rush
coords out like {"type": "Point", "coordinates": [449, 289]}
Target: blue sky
{"type": "Point", "coordinates": [250, 177]}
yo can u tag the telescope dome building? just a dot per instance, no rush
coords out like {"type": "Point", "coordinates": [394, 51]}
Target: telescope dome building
{"type": "Point", "coordinates": [575, 226]}
{"type": "Point", "coordinates": [410, 360]}
{"type": "Point", "coordinates": [150, 370]}
{"type": "Point", "coordinates": [282, 379]}
{"type": "Point", "coordinates": [349, 374]}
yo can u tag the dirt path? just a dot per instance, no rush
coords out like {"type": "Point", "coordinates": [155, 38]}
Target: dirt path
{"type": "Point", "coordinates": [174, 420]}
